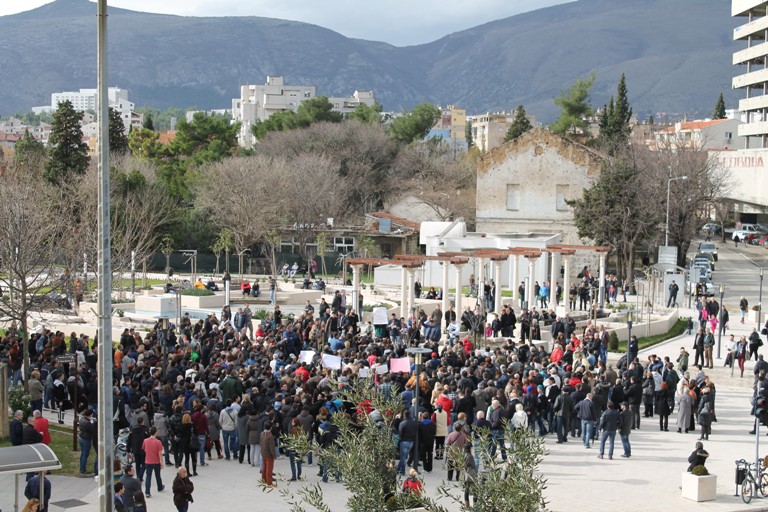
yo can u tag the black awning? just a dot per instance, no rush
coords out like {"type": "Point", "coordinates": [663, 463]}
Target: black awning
{"type": "Point", "coordinates": [27, 458]}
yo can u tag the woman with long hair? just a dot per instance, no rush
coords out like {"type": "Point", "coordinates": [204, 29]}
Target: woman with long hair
{"type": "Point", "coordinates": [186, 433]}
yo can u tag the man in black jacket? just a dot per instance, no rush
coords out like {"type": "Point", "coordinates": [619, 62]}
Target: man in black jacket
{"type": "Point", "coordinates": [609, 424]}
{"type": "Point", "coordinates": [29, 434]}
{"type": "Point", "coordinates": [17, 429]}
{"type": "Point", "coordinates": [427, 432]}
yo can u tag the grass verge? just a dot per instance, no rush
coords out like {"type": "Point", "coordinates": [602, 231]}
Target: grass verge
{"type": "Point", "coordinates": [676, 330]}
{"type": "Point", "coordinates": [61, 444]}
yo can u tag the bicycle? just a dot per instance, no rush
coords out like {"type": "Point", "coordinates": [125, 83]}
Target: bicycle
{"type": "Point", "coordinates": [753, 480]}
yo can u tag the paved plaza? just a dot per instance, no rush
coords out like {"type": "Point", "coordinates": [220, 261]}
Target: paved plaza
{"type": "Point", "coordinates": [575, 476]}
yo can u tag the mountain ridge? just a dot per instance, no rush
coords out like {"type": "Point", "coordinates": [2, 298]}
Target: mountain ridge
{"type": "Point", "coordinates": [676, 55]}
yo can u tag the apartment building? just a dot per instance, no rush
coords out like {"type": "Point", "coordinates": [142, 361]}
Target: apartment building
{"type": "Point", "coordinates": [88, 99]}
{"type": "Point", "coordinates": [753, 63]}
{"type": "Point", "coordinates": [259, 102]}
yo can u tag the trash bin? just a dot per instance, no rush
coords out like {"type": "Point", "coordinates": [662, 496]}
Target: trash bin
{"type": "Point", "coordinates": [741, 474]}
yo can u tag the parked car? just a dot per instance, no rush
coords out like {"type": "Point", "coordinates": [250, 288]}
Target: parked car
{"type": "Point", "coordinates": [703, 269]}
{"type": "Point", "coordinates": [754, 238]}
{"type": "Point", "coordinates": [708, 248]}
{"type": "Point", "coordinates": [707, 257]}
{"type": "Point", "coordinates": [763, 241]}
{"type": "Point", "coordinates": [744, 233]}
{"type": "Point", "coordinates": [711, 228]}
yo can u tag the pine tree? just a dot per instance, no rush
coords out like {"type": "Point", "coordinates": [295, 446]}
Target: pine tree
{"type": "Point", "coordinates": [606, 120]}
{"type": "Point", "coordinates": [622, 113]}
{"type": "Point", "coordinates": [29, 154]}
{"type": "Point", "coordinates": [148, 123]}
{"type": "Point", "coordinates": [118, 140]}
{"type": "Point", "coordinates": [468, 135]}
{"type": "Point", "coordinates": [719, 112]}
{"type": "Point", "coordinates": [519, 125]}
{"type": "Point", "coordinates": [574, 107]}
{"type": "Point", "coordinates": [614, 123]}
{"type": "Point", "coordinates": [68, 153]}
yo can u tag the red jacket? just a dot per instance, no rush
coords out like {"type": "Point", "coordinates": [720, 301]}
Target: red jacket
{"type": "Point", "coordinates": [200, 423]}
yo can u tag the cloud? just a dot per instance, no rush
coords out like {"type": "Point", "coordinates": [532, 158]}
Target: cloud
{"type": "Point", "coordinates": [399, 22]}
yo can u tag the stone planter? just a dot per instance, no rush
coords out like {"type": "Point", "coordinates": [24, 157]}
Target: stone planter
{"type": "Point", "coordinates": [752, 316]}
{"type": "Point", "coordinates": [699, 488]}
{"type": "Point", "coordinates": [205, 302]}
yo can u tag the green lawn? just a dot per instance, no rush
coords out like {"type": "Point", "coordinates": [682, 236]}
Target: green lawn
{"type": "Point", "coordinates": [677, 330]}
{"type": "Point", "coordinates": [61, 444]}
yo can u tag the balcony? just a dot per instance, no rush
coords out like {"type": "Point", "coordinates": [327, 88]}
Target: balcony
{"type": "Point", "coordinates": [754, 103]}
{"type": "Point", "coordinates": [755, 27]}
{"type": "Point", "coordinates": [753, 78]}
{"type": "Point", "coordinates": [752, 129]}
{"type": "Point", "coordinates": [742, 7]}
{"type": "Point", "coordinates": [749, 54]}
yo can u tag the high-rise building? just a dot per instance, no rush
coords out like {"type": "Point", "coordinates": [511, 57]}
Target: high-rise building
{"type": "Point", "coordinates": [754, 65]}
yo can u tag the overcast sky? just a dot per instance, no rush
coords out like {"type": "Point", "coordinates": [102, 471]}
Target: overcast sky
{"type": "Point", "coordinates": [399, 22]}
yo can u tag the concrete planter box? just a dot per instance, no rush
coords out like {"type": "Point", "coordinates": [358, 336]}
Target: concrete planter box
{"type": "Point", "coordinates": [699, 488]}
{"type": "Point", "coordinates": [157, 305]}
{"type": "Point", "coordinates": [752, 316]}
{"type": "Point", "coordinates": [208, 302]}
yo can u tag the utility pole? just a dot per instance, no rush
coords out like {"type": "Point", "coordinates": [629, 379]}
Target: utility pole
{"type": "Point", "coordinates": [105, 448]}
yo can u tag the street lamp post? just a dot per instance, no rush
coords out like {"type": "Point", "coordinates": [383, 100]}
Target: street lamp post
{"type": "Point", "coordinates": [417, 353]}
{"type": "Point", "coordinates": [630, 313]}
{"type": "Point", "coordinates": [720, 320]}
{"type": "Point", "coordinates": [666, 225]}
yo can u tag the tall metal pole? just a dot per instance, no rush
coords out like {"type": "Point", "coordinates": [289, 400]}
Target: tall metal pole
{"type": "Point", "coordinates": [105, 449]}
{"type": "Point", "coordinates": [760, 302]}
{"type": "Point", "coordinates": [666, 223]}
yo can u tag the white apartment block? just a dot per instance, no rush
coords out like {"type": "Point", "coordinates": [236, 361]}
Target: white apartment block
{"type": "Point", "coordinates": [88, 99]}
{"type": "Point", "coordinates": [348, 105]}
{"type": "Point", "coordinates": [753, 61]}
{"type": "Point", "coordinates": [259, 102]}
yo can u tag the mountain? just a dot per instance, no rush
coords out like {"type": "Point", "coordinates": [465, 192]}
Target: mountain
{"type": "Point", "coordinates": [676, 55]}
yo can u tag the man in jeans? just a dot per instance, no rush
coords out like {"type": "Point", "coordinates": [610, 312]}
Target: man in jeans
{"type": "Point", "coordinates": [609, 424]}
{"type": "Point", "coordinates": [497, 419]}
{"type": "Point", "coordinates": [625, 428]}
{"type": "Point", "coordinates": [586, 411]}
{"type": "Point", "coordinates": [86, 431]}
{"type": "Point", "coordinates": [228, 422]}
{"type": "Point", "coordinates": [407, 430]}
{"type": "Point", "coordinates": [153, 461]}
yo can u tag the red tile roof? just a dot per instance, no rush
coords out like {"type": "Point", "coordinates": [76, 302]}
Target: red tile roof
{"type": "Point", "coordinates": [400, 221]}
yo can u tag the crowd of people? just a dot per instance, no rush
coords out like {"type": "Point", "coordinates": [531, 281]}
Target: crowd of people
{"type": "Point", "coordinates": [233, 387]}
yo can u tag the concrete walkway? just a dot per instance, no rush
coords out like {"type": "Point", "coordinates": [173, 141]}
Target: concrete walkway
{"type": "Point", "coordinates": [576, 478]}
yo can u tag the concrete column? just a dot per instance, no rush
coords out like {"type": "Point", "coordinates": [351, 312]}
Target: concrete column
{"type": "Point", "coordinates": [459, 297]}
{"type": "Point", "coordinates": [403, 293]}
{"type": "Point", "coordinates": [531, 278]}
{"type": "Point", "coordinates": [497, 279]}
{"type": "Point", "coordinates": [444, 304]}
{"type": "Point", "coordinates": [411, 292]}
{"type": "Point", "coordinates": [553, 272]}
{"type": "Point", "coordinates": [515, 278]}
{"type": "Point", "coordinates": [480, 275]}
{"type": "Point", "coordinates": [601, 293]}
{"type": "Point", "coordinates": [567, 282]}
{"type": "Point", "coordinates": [356, 288]}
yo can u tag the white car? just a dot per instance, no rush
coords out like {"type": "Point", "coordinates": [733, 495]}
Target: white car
{"type": "Point", "coordinates": [708, 248]}
{"type": "Point", "coordinates": [743, 233]}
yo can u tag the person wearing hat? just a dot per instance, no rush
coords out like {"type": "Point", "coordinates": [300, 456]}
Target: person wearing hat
{"type": "Point", "coordinates": [626, 418]}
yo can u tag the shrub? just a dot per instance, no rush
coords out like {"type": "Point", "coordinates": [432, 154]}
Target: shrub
{"type": "Point", "coordinates": [369, 307]}
{"type": "Point", "coordinates": [261, 314]}
{"type": "Point", "coordinates": [613, 342]}
{"type": "Point", "coordinates": [197, 292]}
{"type": "Point", "coordinates": [700, 470]}
{"type": "Point", "coordinates": [18, 400]}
